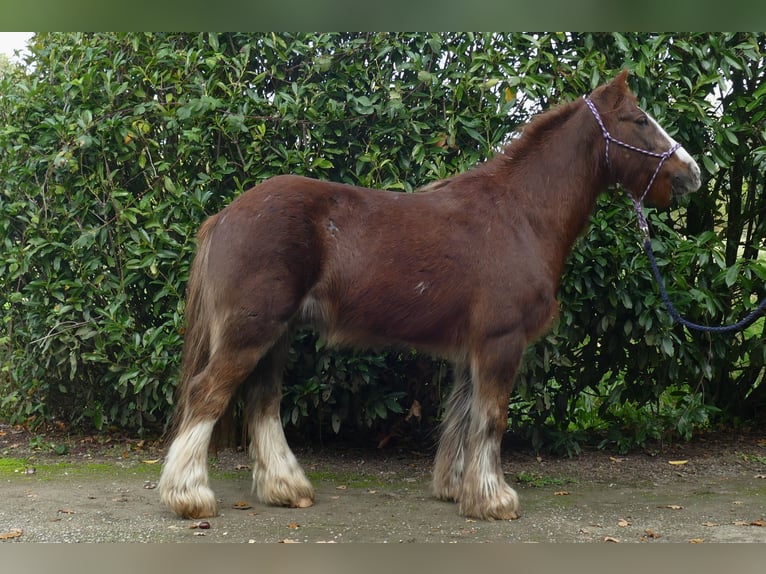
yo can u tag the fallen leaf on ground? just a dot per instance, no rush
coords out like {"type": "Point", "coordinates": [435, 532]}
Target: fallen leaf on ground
{"type": "Point", "coordinates": [241, 505]}
{"type": "Point", "coordinates": [759, 522]}
{"type": "Point", "coordinates": [293, 526]}
{"type": "Point", "coordinates": [341, 487]}
{"type": "Point", "coordinates": [415, 411]}
{"type": "Point", "coordinates": [710, 524]}
{"type": "Point", "coordinates": [65, 511]}
{"type": "Point", "coordinates": [149, 485]}
{"type": "Point", "coordinates": [623, 523]}
{"type": "Point", "coordinates": [652, 534]}
{"type": "Point", "coordinates": [561, 493]}
{"type": "Point", "coordinates": [242, 467]}
{"type": "Point", "coordinates": [617, 459]}
{"type": "Point", "coordinates": [672, 506]}
{"type": "Point", "coordinates": [15, 533]}
{"type": "Point", "coordinates": [760, 476]}
{"type": "Point", "coordinates": [610, 539]}
{"type": "Point", "coordinates": [153, 461]}
{"type": "Point", "coordinates": [696, 541]}
{"type": "Point", "coordinates": [288, 541]}
{"type": "Point", "coordinates": [677, 462]}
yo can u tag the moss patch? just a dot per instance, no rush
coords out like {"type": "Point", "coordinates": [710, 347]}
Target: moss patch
{"type": "Point", "coordinates": [356, 480]}
{"type": "Point", "coordinates": [48, 470]}
{"type": "Point", "coordinates": [11, 466]}
{"type": "Point", "coordinates": [539, 481]}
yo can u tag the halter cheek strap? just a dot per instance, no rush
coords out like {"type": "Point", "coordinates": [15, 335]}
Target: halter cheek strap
{"type": "Point", "coordinates": [661, 156]}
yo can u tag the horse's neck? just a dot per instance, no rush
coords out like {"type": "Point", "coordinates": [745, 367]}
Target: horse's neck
{"type": "Point", "coordinates": [556, 185]}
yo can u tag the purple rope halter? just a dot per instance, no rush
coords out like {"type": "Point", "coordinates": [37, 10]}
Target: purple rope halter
{"type": "Point", "coordinates": [637, 202]}
{"type": "Point", "coordinates": [644, 225]}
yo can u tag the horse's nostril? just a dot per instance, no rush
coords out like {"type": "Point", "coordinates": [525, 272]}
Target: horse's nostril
{"type": "Point", "coordinates": [683, 184]}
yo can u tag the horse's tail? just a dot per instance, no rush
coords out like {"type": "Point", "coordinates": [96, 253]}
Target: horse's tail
{"type": "Point", "coordinates": [196, 347]}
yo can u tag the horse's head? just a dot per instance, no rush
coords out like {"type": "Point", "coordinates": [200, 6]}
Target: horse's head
{"type": "Point", "coordinates": [640, 155]}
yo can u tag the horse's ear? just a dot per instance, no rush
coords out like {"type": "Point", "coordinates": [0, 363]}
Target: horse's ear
{"type": "Point", "coordinates": [621, 81]}
{"type": "Point", "coordinates": [616, 89]}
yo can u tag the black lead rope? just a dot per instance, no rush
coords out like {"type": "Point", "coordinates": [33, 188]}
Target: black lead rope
{"type": "Point", "coordinates": [739, 325]}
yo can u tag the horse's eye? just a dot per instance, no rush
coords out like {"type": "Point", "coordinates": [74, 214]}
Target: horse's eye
{"type": "Point", "coordinates": [642, 121]}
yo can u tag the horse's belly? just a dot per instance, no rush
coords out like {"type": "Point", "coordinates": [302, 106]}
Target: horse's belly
{"type": "Point", "coordinates": [375, 318]}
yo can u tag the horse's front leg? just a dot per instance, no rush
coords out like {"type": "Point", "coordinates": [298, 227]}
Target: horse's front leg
{"type": "Point", "coordinates": [485, 494]}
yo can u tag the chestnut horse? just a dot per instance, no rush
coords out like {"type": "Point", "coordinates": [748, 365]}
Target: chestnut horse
{"type": "Point", "coordinates": [466, 269]}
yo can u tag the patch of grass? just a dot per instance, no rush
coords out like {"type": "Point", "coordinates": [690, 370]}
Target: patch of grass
{"type": "Point", "coordinates": [352, 480]}
{"type": "Point", "coordinates": [45, 470]}
{"type": "Point", "coordinates": [759, 458]}
{"type": "Point", "coordinates": [11, 466]}
{"type": "Point", "coordinates": [539, 481]}
{"type": "Point", "coordinates": [221, 474]}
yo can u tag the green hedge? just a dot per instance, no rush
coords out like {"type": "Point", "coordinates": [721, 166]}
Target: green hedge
{"type": "Point", "coordinates": [114, 147]}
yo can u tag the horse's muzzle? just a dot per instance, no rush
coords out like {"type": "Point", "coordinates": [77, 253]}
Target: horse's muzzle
{"type": "Point", "coordinates": [689, 182]}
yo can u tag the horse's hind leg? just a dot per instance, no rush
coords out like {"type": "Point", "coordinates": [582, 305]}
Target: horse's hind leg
{"type": "Point", "coordinates": [277, 476]}
{"type": "Point", "coordinates": [450, 456]}
{"type": "Point", "coordinates": [183, 485]}
{"type": "Point", "coordinates": [485, 493]}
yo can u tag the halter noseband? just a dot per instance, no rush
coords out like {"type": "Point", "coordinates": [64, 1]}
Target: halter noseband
{"type": "Point", "coordinates": [661, 156]}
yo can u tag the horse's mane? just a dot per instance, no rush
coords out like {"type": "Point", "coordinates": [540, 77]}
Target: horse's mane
{"type": "Point", "coordinates": [525, 140]}
{"type": "Point", "coordinates": [538, 130]}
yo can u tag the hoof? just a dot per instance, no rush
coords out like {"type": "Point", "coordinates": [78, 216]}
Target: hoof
{"type": "Point", "coordinates": [495, 513]}
{"type": "Point", "coordinates": [303, 503]}
{"type": "Point", "coordinates": [503, 506]}
{"type": "Point", "coordinates": [297, 493]}
{"type": "Point", "coordinates": [197, 513]}
{"type": "Point", "coordinates": [200, 503]}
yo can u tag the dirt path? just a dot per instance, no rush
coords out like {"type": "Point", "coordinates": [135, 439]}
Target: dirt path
{"type": "Point", "coordinates": [715, 491]}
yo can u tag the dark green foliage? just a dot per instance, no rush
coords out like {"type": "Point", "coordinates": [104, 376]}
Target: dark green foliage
{"type": "Point", "coordinates": [114, 147]}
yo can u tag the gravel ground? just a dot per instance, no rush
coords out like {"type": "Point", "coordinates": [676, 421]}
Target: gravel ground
{"type": "Point", "coordinates": [103, 490]}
